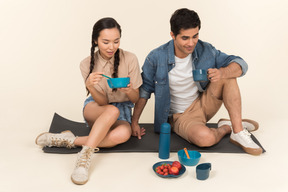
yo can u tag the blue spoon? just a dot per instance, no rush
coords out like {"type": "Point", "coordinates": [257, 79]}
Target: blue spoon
{"type": "Point", "coordinates": [109, 79]}
{"type": "Point", "coordinates": [106, 76]}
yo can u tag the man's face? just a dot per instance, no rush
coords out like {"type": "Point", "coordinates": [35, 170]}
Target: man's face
{"type": "Point", "coordinates": [185, 42]}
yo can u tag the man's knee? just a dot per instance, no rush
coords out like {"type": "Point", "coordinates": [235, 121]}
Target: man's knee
{"type": "Point", "coordinates": [204, 138]}
{"type": "Point", "coordinates": [226, 81]}
{"type": "Point", "coordinates": [217, 88]}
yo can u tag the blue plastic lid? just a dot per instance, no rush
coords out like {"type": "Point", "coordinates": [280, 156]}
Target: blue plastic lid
{"type": "Point", "coordinates": [165, 128]}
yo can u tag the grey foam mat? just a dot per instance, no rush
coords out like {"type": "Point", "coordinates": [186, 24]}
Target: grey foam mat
{"type": "Point", "coordinates": [148, 143]}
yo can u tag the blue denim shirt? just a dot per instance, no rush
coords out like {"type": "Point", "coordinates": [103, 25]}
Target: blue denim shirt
{"type": "Point", "coordinates": [162, 59]}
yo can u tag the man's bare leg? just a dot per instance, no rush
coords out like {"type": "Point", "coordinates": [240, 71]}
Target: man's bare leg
{"type": "Point", "coordinates": [228, 91]}
{"type": "Point", "coordinates": [204, 136]}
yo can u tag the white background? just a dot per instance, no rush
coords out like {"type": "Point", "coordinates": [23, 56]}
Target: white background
{"type": "Point", "coordinates": [42, 43]}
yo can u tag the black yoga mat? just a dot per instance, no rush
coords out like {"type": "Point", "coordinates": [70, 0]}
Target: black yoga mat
{"type": "Point", "coordinates": [148, 143]}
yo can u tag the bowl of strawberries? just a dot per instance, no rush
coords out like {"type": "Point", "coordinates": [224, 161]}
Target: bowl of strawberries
{"type": "Point", "coordinates": [169, 169]}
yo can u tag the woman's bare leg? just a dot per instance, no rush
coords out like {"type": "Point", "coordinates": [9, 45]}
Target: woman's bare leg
{"type": "Point", "coordinates": [100, 119]}
{"type": "Point", "coordinates": [119, 133]}
{"type": "Point", "coordinates": [106, 131]}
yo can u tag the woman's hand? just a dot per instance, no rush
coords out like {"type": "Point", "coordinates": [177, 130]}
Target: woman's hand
{"type": "Point", "coordinates": [127, 89]}
{"type": "Point", "coordinates": [132, 94]}
{"type": "Point", "coordinates": [93, 79]}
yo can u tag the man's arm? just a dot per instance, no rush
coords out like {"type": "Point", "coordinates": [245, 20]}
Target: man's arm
{"type": "Point", "coordinates": [138, 109]}
{"type": "Point", "coordinates": [230, 65]}
{"type": "Point", "coordinates": [233, 70]}
{"type": "Point", "coordinates": [145, 90]}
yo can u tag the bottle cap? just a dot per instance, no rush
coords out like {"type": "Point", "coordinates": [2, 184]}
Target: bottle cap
{"type": "Point", "coordinates": [165, 128]}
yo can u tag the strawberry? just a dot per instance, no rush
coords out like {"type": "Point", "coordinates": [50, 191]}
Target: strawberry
{"type": "Point", "coordinates": [165, 170]}
{"type": "Point", "coordinates": [174, 170]}
{"type": "Point", "coordinates": [176, 164]}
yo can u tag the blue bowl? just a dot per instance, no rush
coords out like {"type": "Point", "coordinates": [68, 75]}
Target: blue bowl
{"type": "Point", "coordinates": [194, 157]}
{"type": "Point", "coordinates": [120, 82]}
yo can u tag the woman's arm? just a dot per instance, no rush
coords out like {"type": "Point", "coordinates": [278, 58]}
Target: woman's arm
{"type": "Point", "coordinates": [92, 80]}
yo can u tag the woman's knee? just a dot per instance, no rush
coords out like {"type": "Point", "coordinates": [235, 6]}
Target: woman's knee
{"type": "Point", "coordinates": [92, 111]}
{"type": "Point", "coordinates": [112, 110]}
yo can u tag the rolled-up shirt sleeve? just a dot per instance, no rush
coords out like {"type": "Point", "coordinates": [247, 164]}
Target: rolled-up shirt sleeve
{"type": "Point", "coordinates": [243, 65]}
{"type": "Point", "coordinates": [223, 60]}
{"type": "Point", "coordinates": [144, 94]}
{"type": "Point", "coordinates": [148, 76]}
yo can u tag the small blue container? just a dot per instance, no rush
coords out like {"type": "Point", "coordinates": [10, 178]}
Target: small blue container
{"type": "Point", "coordinates": [164, 141]}
{"type": "Point", "coordinates": [200, 75]}
{"type": "Point", "coordinates": [120, 82]}
{"type": "Point", "coordinates": [194, 157]}
{"type": "Point", "coordinates": [203, 170]}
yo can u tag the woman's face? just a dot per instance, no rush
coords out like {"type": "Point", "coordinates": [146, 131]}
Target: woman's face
{"type": "Point", "coordinates": [108, 42]}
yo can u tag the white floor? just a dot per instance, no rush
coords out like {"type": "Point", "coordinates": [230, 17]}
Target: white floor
{"type": "Point", "coordinates": [24, 167]}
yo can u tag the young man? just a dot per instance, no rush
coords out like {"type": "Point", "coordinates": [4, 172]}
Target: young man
{"type": "Point", "coordinates": [189, 105]}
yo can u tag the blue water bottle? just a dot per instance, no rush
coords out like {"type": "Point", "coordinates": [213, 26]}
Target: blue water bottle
{"type": "Point", "coordinates": [164, 141]}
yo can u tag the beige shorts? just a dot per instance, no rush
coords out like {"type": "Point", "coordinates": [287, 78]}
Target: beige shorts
{"type": "Point", "coordinates": [199, 112]}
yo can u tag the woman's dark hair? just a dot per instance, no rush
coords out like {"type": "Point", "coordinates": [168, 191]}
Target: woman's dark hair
{"type": "Point", "coordinates": [184, 19]}
{"type": "Point", "coordinates": [104, 23]}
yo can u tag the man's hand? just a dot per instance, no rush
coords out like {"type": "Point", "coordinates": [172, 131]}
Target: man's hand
{"type": "Point", "coordinates": [214, 74]}
{"type": "Point", "coordinates": [137, 131]}
{"type": "Point", "coordinates": [233, 70]}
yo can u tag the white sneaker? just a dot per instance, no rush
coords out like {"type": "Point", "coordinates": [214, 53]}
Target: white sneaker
{"type": "Point", "coordinates": [80, 174]}
{"type": "Point", "coordinates": [63, 139]}
{"type": "Point", "coordinates": [248, 124]}
{"type": "Point", "coordinates": [243, 139]}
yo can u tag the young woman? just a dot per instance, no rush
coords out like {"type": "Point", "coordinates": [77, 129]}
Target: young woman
{"type": "Point", "coordinates": [106, 111]}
